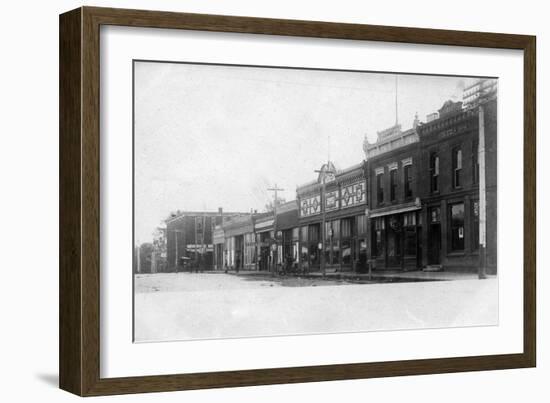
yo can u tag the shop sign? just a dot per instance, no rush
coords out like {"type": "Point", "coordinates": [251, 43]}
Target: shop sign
{"type": "Point", "coordinates": [354, 194]}
{"type": "Point", "coordinates": [310, 206]}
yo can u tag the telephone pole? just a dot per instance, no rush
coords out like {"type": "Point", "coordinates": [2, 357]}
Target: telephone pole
{"type": "Point", "coordinates": [486, 94]}
{"type": "Point", "coordinates": [275, 189]}
{"type": "Point", "coordinates": [328, 172]}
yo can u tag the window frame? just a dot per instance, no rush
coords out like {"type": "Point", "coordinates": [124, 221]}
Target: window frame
{"type": "Point", "coordinates": [452, 248]}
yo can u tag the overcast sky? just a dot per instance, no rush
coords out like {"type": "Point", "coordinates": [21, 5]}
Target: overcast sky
{"type": "Point", "coordinates": [219, 136]}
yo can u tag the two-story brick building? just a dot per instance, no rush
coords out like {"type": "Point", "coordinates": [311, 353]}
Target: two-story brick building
{"type": "Point", "coordinates": [424, 192]}
{"type": "Point", "coordinates": [450, 187]}
{"type": "Point", "coordinates": [394, 215]}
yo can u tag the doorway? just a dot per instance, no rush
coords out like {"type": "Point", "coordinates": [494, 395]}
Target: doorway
{"type": "Point", "coordinates": [434, 244]}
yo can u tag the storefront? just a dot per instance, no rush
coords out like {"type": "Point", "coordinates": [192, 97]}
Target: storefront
{"type": "Point", "coordinates": [288, 236]}
{"type": "Point", "coordinates": [333, 208]}
{"type": "Point", "coordinates": [240, 248]}
{"type": "Point", "coordinates": [218, 238]}
{"type": "Point", "coordinates": [397, 237]}
{"type": "Point", "coordinates": [346, 243]}
{"type": "Point", "coordinates": [265, 239]}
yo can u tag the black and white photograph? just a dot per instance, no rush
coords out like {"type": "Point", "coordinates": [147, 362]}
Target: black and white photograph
{"type": "Point", "coordinates": [286, 201]}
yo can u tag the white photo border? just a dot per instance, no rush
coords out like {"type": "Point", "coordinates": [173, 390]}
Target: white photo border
{"type": "Point", "coordinates": [119, 357]}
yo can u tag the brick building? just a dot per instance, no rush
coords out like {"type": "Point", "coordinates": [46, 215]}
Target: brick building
{"type": "Point", "coordinates": [424, 191]}
{"type": "Point", "coordinates": [189, 238]}
{"type": "Point", "coordinates": [450, 187]}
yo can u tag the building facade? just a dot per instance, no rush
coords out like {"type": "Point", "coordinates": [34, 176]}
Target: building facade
{"type": "Point", "coordinates": [189, 238]}
{"type": "Point", "coordinates": [425, 192]}
{"type": "Point", "coordinates": [240, 247]}
{"type": "Point", "coordinates": [450, 187]}
{"type": "Point", "coordinates": [332, 220]}
{"type": "Point", "coordinates": [394, 216]}
{"type": "Point", "coordinates": [423, 198]}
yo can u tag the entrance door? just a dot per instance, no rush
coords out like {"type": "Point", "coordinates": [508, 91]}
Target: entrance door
{"type": "Point", "coordinates": [264, 258]}
{"type": "Point", "coordinates": [434, 245]}
{"type": "Point", "coordinates": [394, 248]}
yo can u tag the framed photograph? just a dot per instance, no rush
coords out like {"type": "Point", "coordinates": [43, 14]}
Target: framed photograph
{"type": "Point", "coordinates": [249, 201]}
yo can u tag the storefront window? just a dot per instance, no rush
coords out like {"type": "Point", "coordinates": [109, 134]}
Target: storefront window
{"type": "Point", "coordinates": [346, 252]}
{"type": "Point", "coordinates": [379, 227]}
{"type": "Point", "coordinates": [304, 254]}
{"type": "Point", "coordinates": [457, 226]}
{"type": "Point", "coordinates": [362, 224]}
{"type": "Point", "coordinates": [303, 234]}
{"type": "Point", "coordinates": [435, 215]}
{"type": "Point", "coordinates": [313, 233]}
{"type": "Point", "coordinates": [335, 252]}
{"type": "Point", "coordinates": [362, 252]}
{"type": "Point", "coordinates": [314, 255]}
{"type": "Point", "coordinates": [296, 252]}
{"type": "Point", "coordinates": [347, 227]}
{"type": "Point", "coordinates": [409, 219]}
{"type": "Point", "coordinates": [326, 251]}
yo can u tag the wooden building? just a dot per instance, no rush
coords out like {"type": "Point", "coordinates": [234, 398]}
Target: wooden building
{"type": "Point", "coordinates": [240, 247]}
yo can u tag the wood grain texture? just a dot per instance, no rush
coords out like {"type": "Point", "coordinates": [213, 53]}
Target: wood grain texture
{"type": "Point", "coordinates": [70, 271]}
{"type": "Point", "coordinates": [80, 196]}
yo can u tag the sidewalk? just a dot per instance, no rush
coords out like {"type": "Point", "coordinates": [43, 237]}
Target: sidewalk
{"type": "Point", "coordinates": [417, 275]}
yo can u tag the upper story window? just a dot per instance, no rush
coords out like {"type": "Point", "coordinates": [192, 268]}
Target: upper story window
{"type": "Point", "coordinates": [434, 172]}
{"type": "Point", "coordinates": [407, 176]}
{"type": "Point", "coordinates": [380, 188]}
{"type": "Point", "coordinates": [393, 184]}
{"type": "Point", "coordinates": [475, 163]}
{"type": "Point", "coordinates": [457, 167]}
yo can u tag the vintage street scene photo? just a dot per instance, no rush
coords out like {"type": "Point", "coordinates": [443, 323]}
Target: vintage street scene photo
{"type": "Point", "coordinates": [279, 201]}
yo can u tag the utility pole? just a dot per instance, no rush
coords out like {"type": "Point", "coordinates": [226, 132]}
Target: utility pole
{"type": "Point", "coordinates": [328, 171]}
{"type": "Point", "coordinates": [482, 197]}
{"type": "Point", "coordinates": [486, 95]}
{"type": "Point", "coordinates": [275, 189]}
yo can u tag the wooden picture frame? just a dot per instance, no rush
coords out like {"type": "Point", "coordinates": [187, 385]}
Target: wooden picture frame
{"type": "Point", "coordinates": [79, 348]}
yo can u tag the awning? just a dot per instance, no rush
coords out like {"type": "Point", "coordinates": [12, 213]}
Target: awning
{"type": "Point", "coordinates": [395, 209]}
{"type": "Point", "coordinates": [265, 224]}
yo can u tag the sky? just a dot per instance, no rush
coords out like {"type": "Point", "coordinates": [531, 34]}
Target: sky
{"type": "Point", "coordinates": [210, 136]}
